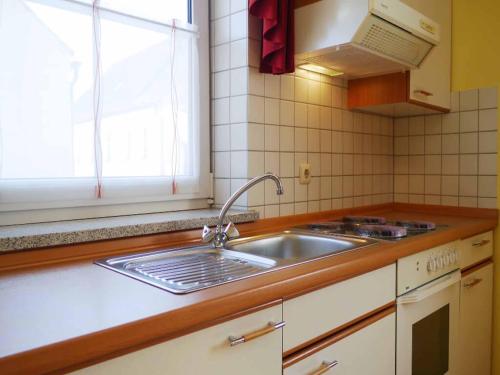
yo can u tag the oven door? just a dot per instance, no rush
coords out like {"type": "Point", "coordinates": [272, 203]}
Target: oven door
{"type": "Point", "coordinates": [427, 328]}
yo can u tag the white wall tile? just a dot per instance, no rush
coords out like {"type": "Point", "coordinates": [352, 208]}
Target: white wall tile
{"type": "Point", "coordinates": [287, 87]}
{"type": "Point", "coordinates": [222, 190]}
{"type": "Point", "coordinates": [313, 116]}
{"type": "Point", "coordinates": [433, 124]}
{"type": "Point", "coordinates": [300, 140]}
{"type": "Point", "coordinates": [272, 137]}
{"type": "Point", "coordinates": [469, 100]}
{"type": "Point", "coordinates": [488, 164]}
{"type": "Point", "coordinates": [255, 82]}
{"type": "Point", "coordinates": [488, 119]}
{"type": "Point", "coordinates": [449, 185]}
{"type": "Point", "coordinates": [451, 123]}
{"type": "Point", "coordinates": [239, 53]}
{"type": "Point", "coordinates": [287, 113]}
{"type": "Point", "coordinates": [301, 115]}
{"type": "Point", "coordinates": [239, 81]}
{"type": "Point", "coordinates": [401, 126]}
{"type": "Point", "coordinates": [222, 140]}
{"type": "Point", "coordinates": [469, 143]}
{"type": "Point", "coordinates": [287, 164]}
{"type": "Point", "coordinates": [450, 144]}
{"type": "Point", "coordinates": [238, 110]}
{"type": "Point", "coordinates": [272, 111]}
{"type": "Point", "coordinates": [313, 144]}
{"type": "Point", "coordinates": [221, 57]}
{"type": "Point", "coordinates": [286, 139]}
{"type": "Point", "coordinates": [239, 25]}
{"type": "Point", "coordinates": [221, 30]}
{"type": "Point", "coordinates": [468, 186]}
{"type": "Point", "coordinates": [487, 186]}
{"type": "Point", "coordinates": [272, 86]}
{"type": "Point", "coordinates": [221, 84]}
{"type": "Point", "coordinates": [469, 121]}
{"type": "Point", "coordinates": [488, 97]}
{"type": "Point", "coordinates": [255, 109]}
{"type": "Point", "coordinates": [450, 165]}
{"type": "Point", "coordinates": [272, 163]}
{"type": "Point", "coordinates": [255, 137]}
{"type": "Point", "coordinates": [468, 164]}
{"type": "Point", "coordinates": [219, 8]}
{"type": "Point", "coordinates": [487, 142]}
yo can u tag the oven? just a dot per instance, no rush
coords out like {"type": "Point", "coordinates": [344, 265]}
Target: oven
{"type": "Point", "coordinates": [428, 312]}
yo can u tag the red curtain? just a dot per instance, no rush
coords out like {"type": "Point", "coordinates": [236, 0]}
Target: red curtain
{"type": "Point", "coordinates": [277, 34]}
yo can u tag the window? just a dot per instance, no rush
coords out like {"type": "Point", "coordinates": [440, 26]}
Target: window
{"type": "Point", "coordinates": [103, 107]}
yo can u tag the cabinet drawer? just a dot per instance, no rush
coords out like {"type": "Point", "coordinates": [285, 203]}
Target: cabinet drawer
{"type": "Point", "coordinates": [476, 303]}
{"type": "Point", "coordinates": [475, 249]}
{"type": "Point", "coordinates": [371, 350]}
{"type": "Point", "coordinates": [207, 351]}
{"type": "Point", "coordinates": [317, 313]}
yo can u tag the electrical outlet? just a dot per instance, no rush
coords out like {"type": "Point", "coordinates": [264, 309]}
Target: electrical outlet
{"type": "Point", "coordinates": [305, 173]}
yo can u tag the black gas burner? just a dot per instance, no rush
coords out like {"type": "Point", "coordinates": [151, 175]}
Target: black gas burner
{"type": "Point", "coordinates": [389, 232]}
{"type": "Point", "coordinates": [416, 226]}
{"type": "Point", "coordinates": [328, 226]}
{"type": "Point", "coordinates": [364, 220]}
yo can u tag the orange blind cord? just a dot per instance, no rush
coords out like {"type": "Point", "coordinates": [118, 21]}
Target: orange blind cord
{"type": "Point", "coordinates": [97, 104]}
{"type": "Point", "coordinates": [174, 107]}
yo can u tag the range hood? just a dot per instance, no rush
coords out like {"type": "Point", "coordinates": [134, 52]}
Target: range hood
{"type": "Point", "coordinates": [363, 37]}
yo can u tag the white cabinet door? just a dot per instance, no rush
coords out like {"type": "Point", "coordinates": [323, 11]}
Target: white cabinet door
{"type": "Point", "coordinates": [207, 351]}
{"type": "Point", "coordinates": [476, 295]}
{"type": "Point", "coordinates": [370, 351]}
{"type": "Point", "coordinates": [475, 249]}
{"type": "Point", "coordinates": [434, 75]}
{"type": "Point", "coordinates": [315, 314]}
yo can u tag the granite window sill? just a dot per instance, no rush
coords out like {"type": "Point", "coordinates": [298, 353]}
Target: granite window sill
{"type": "Point", "coordinates": [32, 236]}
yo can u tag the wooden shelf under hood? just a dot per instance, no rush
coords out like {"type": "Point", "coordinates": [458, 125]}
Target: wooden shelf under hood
{"type": "Point", "coordinates": [388, 95]}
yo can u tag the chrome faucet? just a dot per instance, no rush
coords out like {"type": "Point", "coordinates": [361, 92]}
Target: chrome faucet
{"type": "Point", "coordinates": [221, 235]}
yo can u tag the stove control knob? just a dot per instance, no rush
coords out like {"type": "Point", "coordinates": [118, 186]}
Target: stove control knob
{"type": "Point", "coordinates": [440, 263]}
{"type": "Point", "coordinates": [453, 257]}
{"type": "Point", "coordinates": [446, 259]}
{"type": "Point", "coordinates": [431, 265]}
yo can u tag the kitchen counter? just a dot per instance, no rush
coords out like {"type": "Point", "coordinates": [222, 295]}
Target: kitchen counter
{"type": "Point", "coordinates": [69, 315]}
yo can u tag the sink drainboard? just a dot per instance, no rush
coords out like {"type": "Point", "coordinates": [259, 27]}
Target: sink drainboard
{"type": "Point", "coordinates": [189, 271]}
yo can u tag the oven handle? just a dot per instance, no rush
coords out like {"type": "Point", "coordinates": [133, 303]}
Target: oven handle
{"type": "Point", "coordinates": [429, 289]}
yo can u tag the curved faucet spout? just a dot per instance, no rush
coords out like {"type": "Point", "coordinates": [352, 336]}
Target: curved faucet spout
{"type": "Point", "coordinates": [248, 185]}
{"type": "Point", "coordinates": [220, 236]}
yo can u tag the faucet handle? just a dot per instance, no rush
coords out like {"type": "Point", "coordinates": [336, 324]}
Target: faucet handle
{"type": "Point", "coordinates": [231, 231]}
{"type": "Point", "coordinates": [207, 234]}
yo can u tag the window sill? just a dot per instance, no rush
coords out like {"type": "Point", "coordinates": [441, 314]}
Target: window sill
{"type": "Point", "coordinates": [32, 236]}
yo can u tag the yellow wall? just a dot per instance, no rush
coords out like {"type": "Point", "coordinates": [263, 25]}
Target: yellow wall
{"type": "Point", "coordinates": [475, 64]}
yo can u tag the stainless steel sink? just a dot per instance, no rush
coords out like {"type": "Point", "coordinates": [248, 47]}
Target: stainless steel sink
{"type": "Point", "coordinates": [190, 269]}
{"type": "Point", "coordinates": [295, 245]}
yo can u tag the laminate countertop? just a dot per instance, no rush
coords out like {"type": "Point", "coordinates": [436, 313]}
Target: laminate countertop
{"type": "Point", "coordinates": [65, 316]}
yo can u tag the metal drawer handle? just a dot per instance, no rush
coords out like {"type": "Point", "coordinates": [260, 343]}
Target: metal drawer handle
{"type": "Point", "coordinates": [325, 366]}
{"type": "Point", "coordinates": [423, 92]}
{"type": "Point", "coordinates": [235, 340]}
{"type": "Point", "coordinates": [470, 284]}
{"type": "Point", "coordinates": [480, 243]}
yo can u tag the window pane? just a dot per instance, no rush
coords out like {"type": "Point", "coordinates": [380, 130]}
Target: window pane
{"type": "Point", "coordinates": [46, 66]}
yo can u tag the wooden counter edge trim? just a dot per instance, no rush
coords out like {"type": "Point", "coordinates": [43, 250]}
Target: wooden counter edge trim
{"type": "Point", "coordinates": [51, 359]}
{"type": "Point", "coordinates": [291, 354]}
{"type": "Point", "coordinates": [339, 335]}
{"type": "Point", "coordinates": [476, 266]}
{"type": "Point", "coordinates": [12, 260]}
{"type": "Point", "coordinates": [473, 212]}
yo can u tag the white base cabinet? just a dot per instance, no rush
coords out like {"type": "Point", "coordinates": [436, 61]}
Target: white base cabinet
{"type": "Point", "coordinates": [371, 350]}
{"type": "Point", "coordinates": [207, 351]}
{"type": "Point", "coordinates": [476, 294]}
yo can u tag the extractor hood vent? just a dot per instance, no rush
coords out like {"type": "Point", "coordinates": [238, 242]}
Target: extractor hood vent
{"type": "Point", "coordinates": [387, 34]}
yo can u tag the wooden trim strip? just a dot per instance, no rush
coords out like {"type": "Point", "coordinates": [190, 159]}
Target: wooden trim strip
{"type": "Point", "coordinates": [481, 213]}
{"type": "Point", "coordinates": [476, 266]}
{"type": "Point", "coordinates": [429, 106]}
{"type": "Point", "coordinates": [340, 335]}
{"type": "Point", "coordinates": [317, 340]}
{"type": "Point", "coordinates": [100, 249]}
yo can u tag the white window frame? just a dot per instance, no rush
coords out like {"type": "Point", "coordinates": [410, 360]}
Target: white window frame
{"type": "Point", "coordinates": [67, 210]}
